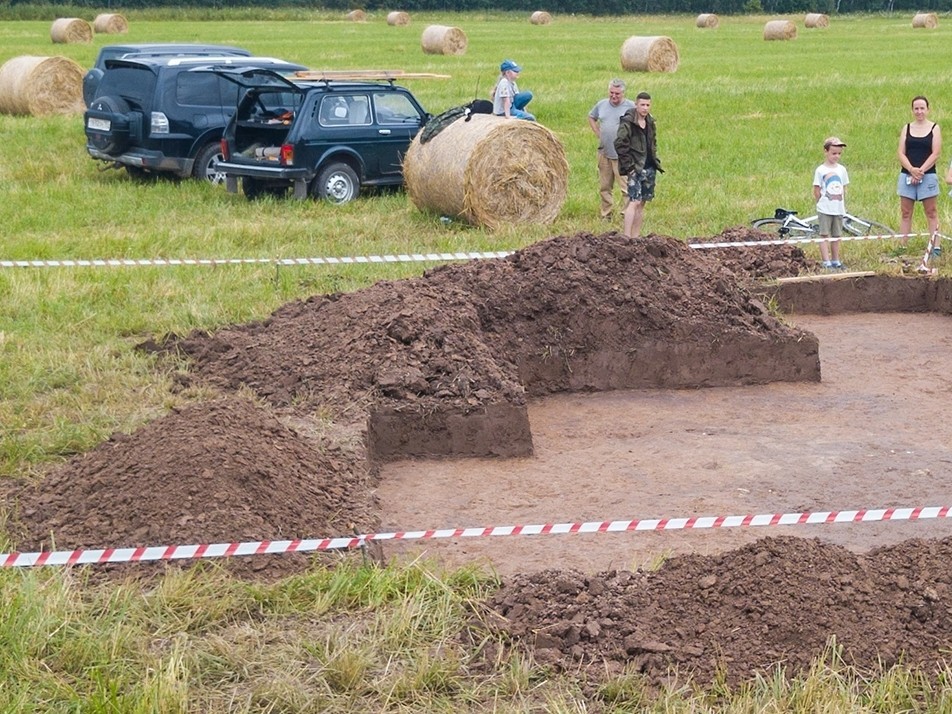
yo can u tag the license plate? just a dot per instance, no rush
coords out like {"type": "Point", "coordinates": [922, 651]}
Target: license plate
{"type": "Point", "coordinates": [98, 124]}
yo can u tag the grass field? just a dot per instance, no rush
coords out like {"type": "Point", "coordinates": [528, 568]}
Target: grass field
{"type": "Point", "coordinates": [741, 124]}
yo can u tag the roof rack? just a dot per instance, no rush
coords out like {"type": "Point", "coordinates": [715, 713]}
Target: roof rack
{"type": "Point", "coordinates": [328, 75]}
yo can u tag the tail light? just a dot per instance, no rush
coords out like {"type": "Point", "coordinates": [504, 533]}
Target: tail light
{"type": "Point", "coordinates": [287, 154]}
{"type": "Point", "coordinates": [225, 151]}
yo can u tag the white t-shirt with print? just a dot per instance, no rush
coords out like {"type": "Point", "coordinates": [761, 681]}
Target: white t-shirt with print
{"type": "Point", "coordinates": [832, 181]}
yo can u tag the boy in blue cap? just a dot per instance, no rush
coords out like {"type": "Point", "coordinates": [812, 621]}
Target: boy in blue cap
{"type": "Point", "coordinates": [508, 101]}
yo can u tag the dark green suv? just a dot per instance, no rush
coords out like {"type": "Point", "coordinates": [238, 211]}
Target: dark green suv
{"type": "Point", "coordinates": [325, 138]}
{"type": "Point", "coordinates": [159, 115]}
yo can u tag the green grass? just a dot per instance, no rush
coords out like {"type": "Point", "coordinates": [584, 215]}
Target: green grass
{"type": "Point", "coordinates": [741, 125]}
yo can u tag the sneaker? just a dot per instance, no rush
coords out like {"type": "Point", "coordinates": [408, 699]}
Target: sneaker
{"type": "Point", "coordinates": [827, 264]}
{"type": "Point", "coordinates": [937, 251]}
{"type": "Point", "coordinates": [837, 264]}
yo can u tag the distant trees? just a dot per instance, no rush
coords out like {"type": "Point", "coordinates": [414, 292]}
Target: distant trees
{"type": "Point", "coordinates": [586, 7]}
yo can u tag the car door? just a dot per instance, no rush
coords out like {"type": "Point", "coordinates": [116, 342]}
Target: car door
{"type": "Point", "coordinates": [397, 119]}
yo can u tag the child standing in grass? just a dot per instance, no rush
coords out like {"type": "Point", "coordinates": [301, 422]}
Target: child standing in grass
{"type": "Point", "coordinates": [829, 192]}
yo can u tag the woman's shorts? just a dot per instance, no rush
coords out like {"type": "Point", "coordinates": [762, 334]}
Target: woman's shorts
{"type": "Point", "coordinates": [927, 188]}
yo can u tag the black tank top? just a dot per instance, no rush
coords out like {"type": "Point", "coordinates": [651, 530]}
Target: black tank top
{"type": "Point", "coordinates": [918, 149]}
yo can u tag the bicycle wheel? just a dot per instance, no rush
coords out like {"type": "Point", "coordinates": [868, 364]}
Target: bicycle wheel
{"type": "Point", "coordinates": [865, 227]}
{"type": "Point", "coordinates": [783, 228]}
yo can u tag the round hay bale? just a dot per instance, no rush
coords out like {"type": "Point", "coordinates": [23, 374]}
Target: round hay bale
{"type": "Point", "coordinates": [489, 171]}
{"type": "Point", "coordinates": [110, 23]}
{"type": "Point", "coordinates": [649, 54]}
{"type": "Point", "coordinates": [443, 40]}
{"type": "Point", "coordinates": [71, 29]}
{"type": "Point", "coordinates": [816, 19]}
{"type": "Point", "coordinates": [37, 86]}
{"type": "Point", "coordinates": [928, 20]}
{"type": "Point", "coordinates": [357, 16]}
{"type": "Point", "coordinates": [398, 18]}
{"type": "Point", "coordinates": [707, 19]}
{"type": "Point", "coordinates": [540, 17]}
{"type": "Point", "coordinates": [780, 30]}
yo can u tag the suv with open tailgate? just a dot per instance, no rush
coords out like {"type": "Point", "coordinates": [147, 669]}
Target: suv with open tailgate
{"type": "Point", "coordinates": [322, 137]}
{"type": "Point", "coordinates": [166, 114]}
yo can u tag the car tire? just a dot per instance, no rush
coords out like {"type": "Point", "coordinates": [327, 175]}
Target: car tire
{"type": "Point", "coordinates": [337, 183]}
{"type": "Point", "coordinates": [113, 142]}
{"type": "Point", "coordinates": [204, 167]}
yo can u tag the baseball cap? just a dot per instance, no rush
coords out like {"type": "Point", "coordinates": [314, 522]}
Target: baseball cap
{"type": "Point", "coordinates": [509, 65]}
{"type": "Point", "coordinates": [833, 141]}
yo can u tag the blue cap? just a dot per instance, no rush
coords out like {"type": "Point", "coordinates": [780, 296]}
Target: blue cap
{"type": "Point", "coordinates": [509, 65]}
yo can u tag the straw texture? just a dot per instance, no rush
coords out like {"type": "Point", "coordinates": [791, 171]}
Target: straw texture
{"type": "Point", "coordinates": [110, 23]}
{"type": "Point", "coordinates": [707, 20]}
{"type": "Point", "coordinates": [38, 86]}
{"type": "Point", "coordinates": [649, 54]}
{"type": "Point", "coordinates": [357, 16]}
{"type": "Point", "coordinates": [71, 29]}
{"type": "Point", "coordinates": [816, 19]}
{"type": "Point", "coordinates": [540, 17]}
{"type": "Point", "coordinates": [927, 20]}
{"type": "Point", "coordinates": [489, 171]}
{"type": "Point", "coordinates": [398, 18]}
{"type": "Point", "coordinates": [443, 40]}
{"type": "Point", "coordinates": [780, 30]}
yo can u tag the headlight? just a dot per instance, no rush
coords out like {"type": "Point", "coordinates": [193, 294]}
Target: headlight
{"type": "Point", "coordinates": [159, 123]}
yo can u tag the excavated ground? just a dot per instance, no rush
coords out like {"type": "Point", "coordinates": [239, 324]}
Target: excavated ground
{"type": "Point", "coordinates": [445, 365]}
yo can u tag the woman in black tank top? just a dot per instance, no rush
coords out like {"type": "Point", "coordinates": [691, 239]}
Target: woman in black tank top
{"type": "Point", "coordinates": [920, 143]}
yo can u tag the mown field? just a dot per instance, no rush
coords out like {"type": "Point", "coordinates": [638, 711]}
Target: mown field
{"type": "Point", "coordinates": [741, 124]}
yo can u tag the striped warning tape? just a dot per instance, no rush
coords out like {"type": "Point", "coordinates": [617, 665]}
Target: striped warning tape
{"type": "Point", "coordinates": [343, 260]}
{"type": "Point", "coordinates": [367, 259]}
{"type": "Point", "coordinates": [274, 547]}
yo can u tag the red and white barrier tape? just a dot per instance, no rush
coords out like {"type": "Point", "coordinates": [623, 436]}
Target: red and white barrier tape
{"type": "Point", "coordinates": [371, 259]}
{"type": "Point", "coordinates": [273, 547]}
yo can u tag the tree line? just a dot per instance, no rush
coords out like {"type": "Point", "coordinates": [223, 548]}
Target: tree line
{"type": "Point", "coordinates": [10, 8]}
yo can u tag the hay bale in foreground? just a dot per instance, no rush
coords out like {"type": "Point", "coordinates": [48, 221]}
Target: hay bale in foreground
{"type": "Point", "coordinates": [489, 171]}
{"type": "Point", "coordinates": [67, 30]}
{"type": "Point", "coordinates": [398, 18]}
{"type": "Point", "coordinates": [110, 23]}
{"type": "Point", "coordinates": [707, 19]}
{"type": "Point", "coordinates": [780, 30]}
{"type": "Point", "coordinates": [37, 86]}
{"type": "Point", "coordinates": [356, 16]}
{"type": "Point", "coordinates": [443, 40]}
{"type": "Point", "coordinates": [816, 19]}
{"type": "Point", "coordinates": [649, 54]}
{"type": "Point", "coordinates": [928, 20]}
{"type": "Point", "coordinates": [540, 17]}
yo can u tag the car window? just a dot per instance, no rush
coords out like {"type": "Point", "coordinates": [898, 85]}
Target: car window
{"type": "Point", "coordinates": [333, 111]}
{"type": "Point", "coordinates": [395, 108]}
{"type": "Point", "coordinates": [133, 84]}
{"type": "Point", "coordinates": [358, 109]}
{"type": "Point", "coordinates": [200, 89]}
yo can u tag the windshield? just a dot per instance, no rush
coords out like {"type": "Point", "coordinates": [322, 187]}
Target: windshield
{"type": "Point", "coordinates": [134, 84]}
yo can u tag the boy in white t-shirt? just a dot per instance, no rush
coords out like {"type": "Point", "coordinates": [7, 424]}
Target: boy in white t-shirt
{"type": "Point", "coordinates": [829, 191]}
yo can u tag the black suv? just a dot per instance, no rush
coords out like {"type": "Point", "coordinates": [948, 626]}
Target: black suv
{"type": "Point", "coordinates": [93, 77]}
{"type": "Point", "coordinates": [160, 115]}
{"type": "Point", "coordinates": [320, 137]}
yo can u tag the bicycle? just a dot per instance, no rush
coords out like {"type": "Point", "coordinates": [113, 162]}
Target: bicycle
{"type": "Point", "coordinates": [785, 223]}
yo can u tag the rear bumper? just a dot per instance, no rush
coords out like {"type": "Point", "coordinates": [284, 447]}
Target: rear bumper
{"type": "Point", "coordinates": [149, 160]}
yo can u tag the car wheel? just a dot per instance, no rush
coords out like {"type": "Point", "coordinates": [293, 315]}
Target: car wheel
{"type": "Point", "coordinates": [337, 183]}
{"type": "Point", "coordinates": [205, 160]}
{"type": "Point", "coordinates": [110, 142]}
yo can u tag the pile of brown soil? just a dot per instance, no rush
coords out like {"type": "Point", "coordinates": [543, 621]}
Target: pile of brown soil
{"type": "Point", "coordinates": [757, 262]}
{"type": "Point", "coordinates": [216, 472]}
{"type": "Point", "coordinates": [441, 364]}
{"type": "Point", "coordinates": [776, 602]}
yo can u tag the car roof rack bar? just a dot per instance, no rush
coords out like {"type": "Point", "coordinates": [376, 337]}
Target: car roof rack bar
{"type": "Point", "coordinates": [329, 75]}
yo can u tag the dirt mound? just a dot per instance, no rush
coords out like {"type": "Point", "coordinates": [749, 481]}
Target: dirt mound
{"type": "Point", "coordinates": [756, 262]}
{"type": "Point", "coordinates": [441, 364]}
{"type": "Point", "coordinates": [775, 602]}
{"type": "Point", "coordinates": [217, 472]}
